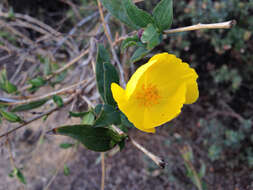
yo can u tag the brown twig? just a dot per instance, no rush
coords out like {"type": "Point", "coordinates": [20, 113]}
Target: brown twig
{"type": "Point", "coordinates": [102, 187]}
{"type": "Point", "coordinates": [221, 25]}
{"type": "Point", "coordinates": [111, 43]}
{"type": "Point", "coordinates": [10, 153]}
{"type": "Point", "coordinates": [61, 91]}
{"type": "Point", "coordinates": [69, 64]}
{"type": "Point", "coordinates": [67, 101]}
{"type": "Point", "coordinates": [160, 162]}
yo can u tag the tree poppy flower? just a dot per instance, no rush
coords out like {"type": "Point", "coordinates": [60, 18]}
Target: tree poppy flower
{"type": "Point", "coordinates": [157, 91]}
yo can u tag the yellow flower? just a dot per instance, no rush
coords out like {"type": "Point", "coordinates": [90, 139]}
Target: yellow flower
{"type": "Point", "coordinates": [157, 91]}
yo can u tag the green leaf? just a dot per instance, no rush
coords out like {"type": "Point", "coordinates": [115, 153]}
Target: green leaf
{"type": "Point", "coordinates": [139, 17]}
{"type": "Point", "coordinates": [10, 88]}
{"type": "Point", "coordinates": [130, 41]}
{"type": "Point", "coordinates": [96, 139]}
{"type": "Point", "coordinates": [36, 83]}
{"type": "Point", "coordinates": [11, 174]}
{"type": "Point", "coordinates": [115, 7]}
{"type": "Point", "coordinates": [105, 75]}
{"type": "Point", "coordinates": [202, 170]}
{"type": "Point", "coordinates": [58, 78]}
{"type": "Point", "coordinates": [58, 100]}
{"type": "Point", "coordinates": [3, 76]}
{"type": "Point", "coordinates": [125, 122]}
{"type": "Point", "coordinates": [106, 116]}
{"type": "Point", "coordinates": [88, 118]}
{"type": "Point", "coordinates": [66, 170]}
{"type": "Point", "coordinates": [47, 69]}
{"type": "Point", "coordinates": [29, 106]}
{"type": "Point", "coordinates": [5, 85]}
{"type": "Point", "coordinates": [102, 54]}
{"type": "Point", "coordinates": [19, 175]}
{"type": "Point", "coordinates": [122, 144]}
{"type": "Point", "coordinates": [110, 76]}
{"type": "Point", "coordinates": [151, 37]}
{"type": "Point", "coordinates": [163, 14]}
{"type": "Point", "coordinates": [139, 54]}
{"type": "Point", "coordinates": [66, 145]}
{"type": "Point", "coordinates": [78, 114]}
{"type": "Point", "coordinates": [11, 117]}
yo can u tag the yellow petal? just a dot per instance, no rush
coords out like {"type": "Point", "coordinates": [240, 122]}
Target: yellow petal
{"type": "Point", "coordinates": [192, 92]}
{"type": "Point", "coordinates": [157, 91]}
{"type": "Point", "coordinates": [152, 130]}
{"type": "Point", "coordinates": [134, 83]}
{"type": "Point", "coordinates": [118, 93]}
{"type": "Point", "coordinates": [166, 110]}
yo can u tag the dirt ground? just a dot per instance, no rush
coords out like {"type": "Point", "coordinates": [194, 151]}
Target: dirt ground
{"type": "Point", "coordinates": [45, 165]}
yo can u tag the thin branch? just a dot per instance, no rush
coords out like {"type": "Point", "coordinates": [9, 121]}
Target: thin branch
{"type": "Point", "coordinates": [103, 171]}
{"type": "Point", "coordinates": [221, 25]}
{"type": "Point", "coordinates": [74, 29]}
{"type": "Point", "coordinates": [118, 40]}
{"type": "Point", "coordinates": [61, 91]}
{"type": "Point", "coordinates": [41, 115]}
{"type": "Point", "coordinates": [160, 162]}
{"type": "Point", "coordinates": [69, 64]}
{"type": "Point", "coordinates": [10, 153]}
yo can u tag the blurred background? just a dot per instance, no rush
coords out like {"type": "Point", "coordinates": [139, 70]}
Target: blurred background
{"type": "Point", "coordinates": [209, 146]}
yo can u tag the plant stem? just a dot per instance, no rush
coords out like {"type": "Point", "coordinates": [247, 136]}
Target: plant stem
{"type": "Point", "coordinates": [103, 171]}
{"type": "Point", "coordinates": [221, 25]}
{"type": "Point", "coordinates": [153, 157]}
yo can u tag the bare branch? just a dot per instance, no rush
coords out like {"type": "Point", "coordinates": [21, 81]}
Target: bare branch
{"type": "Point", "coordinates": [160, 162]}
{"type": "Point", "coordinates": [221, 25]}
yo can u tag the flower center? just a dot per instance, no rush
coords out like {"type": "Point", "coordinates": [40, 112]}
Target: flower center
{"type": "Point", "coordinates": [148, 95]}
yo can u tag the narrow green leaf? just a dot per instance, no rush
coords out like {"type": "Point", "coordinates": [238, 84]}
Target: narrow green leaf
{"type": "Point", "coordinates": [130, 41]}
{"type": "Point", "coordinates": [88, 118]}
{"type": "Point", "coordinates": [5, 85]}
{"type": "Point", "coordinates": [58, 100]}
{"type": "Point", "coordinates": [66, 145]}
{"type": "Point", "coordinates": [202, 170]}
{"type": "Point", "coordinates": [10, 88]}
{"type": "Point", "coordinates": [19, 175]}
{"type": "Point", "coordinates": [122, 144]}
{"type": "Point", "coordinates": [96, 139]}
{"type": "Point", "coordinates": [58, 78]}
{"type": "Point", "coordinates": [29, 106]}
{"type": "Point", "coordinates": [11, 174]}
{"type": "Point", "coordinates": [3, 76]}
{"type": "Point", "coordinates": [47, 70]}
{"type": "Point", "coordinates": [107, 115]}
{"type": "Point", "coordinates": [151, 37]}
{"type": "Point", "coordinates": [110, 76]}
{"type": "Point", "coordinates": [78, 114]}
{"type": "Point", "coordinates": [105, 75]}
{"type": "Point", "coordinates": [36, 83]}
{"type": "Point", "coordinates": [11, 117]}
{"type": "Point", "coordinates": [115, 7]}
{"type": "Point", "coordinates": [66, 170]}
{"type": "Point", "coordinates": [139, 17]}
{"type": "Point", "coordinates": [102, 57]}
{"type": "Point", "coordinates": [139, 54]}
{"type": "Point", "coordinates": [163, 14]}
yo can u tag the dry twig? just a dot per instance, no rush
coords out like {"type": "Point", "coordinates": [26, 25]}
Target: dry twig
{"type": "Point", "coordinates": [221, 25]}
